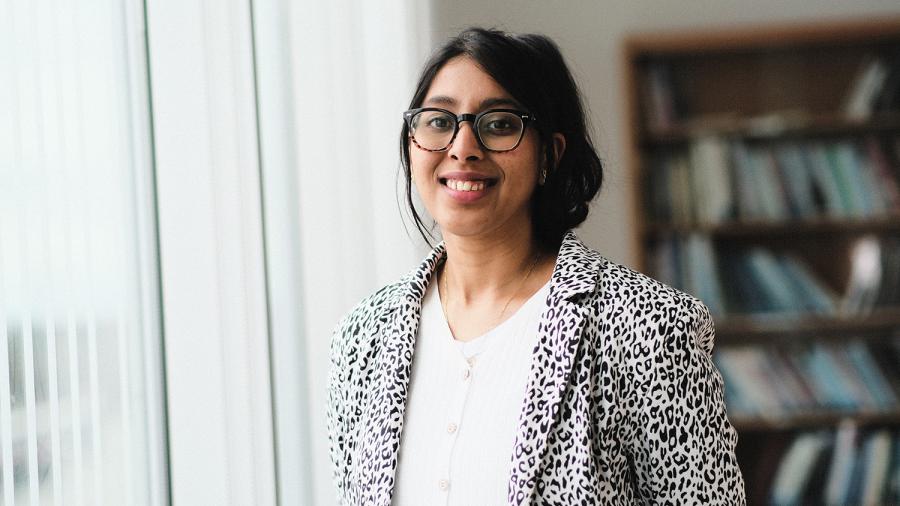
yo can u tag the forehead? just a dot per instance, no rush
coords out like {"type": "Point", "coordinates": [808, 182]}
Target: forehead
{"type": "Point", "coordinates": [463, 83]}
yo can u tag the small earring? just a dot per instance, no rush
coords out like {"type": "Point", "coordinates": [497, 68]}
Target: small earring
{"type": "Point", "coordinates": [543, 177]}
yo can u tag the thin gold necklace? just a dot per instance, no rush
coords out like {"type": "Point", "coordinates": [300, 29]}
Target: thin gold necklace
{"type": "Point", "coordinates": [505, 307]}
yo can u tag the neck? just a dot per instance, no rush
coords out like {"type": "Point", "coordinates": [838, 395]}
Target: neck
{"type": "Point", "coordinates": [488, 268]}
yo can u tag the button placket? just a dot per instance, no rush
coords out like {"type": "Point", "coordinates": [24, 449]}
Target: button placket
{"type": "Point", "coordinates": [457, 404]}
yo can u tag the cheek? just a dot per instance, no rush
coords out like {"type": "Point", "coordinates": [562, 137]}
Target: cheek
{"type": "Point", "coordinates": [422, 164]}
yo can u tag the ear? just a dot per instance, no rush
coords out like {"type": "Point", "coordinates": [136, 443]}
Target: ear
{"type": "Point", "coordinates": [559, 148]}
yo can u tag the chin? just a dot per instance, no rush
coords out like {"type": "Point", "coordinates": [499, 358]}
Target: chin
{"type": "Point", "coordinates": [461, 230]}
{"type": "Point", "coordinates": [480, 228]}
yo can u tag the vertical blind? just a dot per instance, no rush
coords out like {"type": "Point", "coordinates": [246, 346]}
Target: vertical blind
{"type": "Point", "coordinates": [81, 418]}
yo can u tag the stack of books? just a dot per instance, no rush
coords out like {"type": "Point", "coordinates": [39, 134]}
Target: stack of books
{"type": "Point", "coordinates": [844, 466]}
{"type": "Point", "coordinates": [875, 89]}
{"type": "Point", "coordinates": [779, 381]}
{"type": "Point", "coordinates": [719, 180]}
{"type": "Point", "coordinates": [758, 281]}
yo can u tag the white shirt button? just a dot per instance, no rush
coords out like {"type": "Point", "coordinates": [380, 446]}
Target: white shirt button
{"type": "Point", "coordinates": [451, 428]}
{"type": "Point", "coordinates": [466, 373]}
{"type": "Point", "coordinates": [443, 485]}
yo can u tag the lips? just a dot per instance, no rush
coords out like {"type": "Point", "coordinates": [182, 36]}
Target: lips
{"type": "Point", "coordinates": [467, 187]}
{"type": "Point", "coordinates": [467, 181]}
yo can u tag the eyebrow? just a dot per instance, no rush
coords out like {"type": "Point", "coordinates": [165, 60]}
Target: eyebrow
{"type": "Point", "coordinates": [486, 103]}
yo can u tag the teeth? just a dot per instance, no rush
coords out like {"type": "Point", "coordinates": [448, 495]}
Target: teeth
{"type": "Point", "coordinates": [465, 186]}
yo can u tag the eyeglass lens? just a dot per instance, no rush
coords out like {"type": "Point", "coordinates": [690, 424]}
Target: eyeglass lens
{"type": "Point", "coordinates": [497, 130]}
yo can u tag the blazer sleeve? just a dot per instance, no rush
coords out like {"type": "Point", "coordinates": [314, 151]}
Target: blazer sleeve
{"type": "Point", "coordinates": [682, 445]}
{"type": "Point", "coordinates": [338, 420]}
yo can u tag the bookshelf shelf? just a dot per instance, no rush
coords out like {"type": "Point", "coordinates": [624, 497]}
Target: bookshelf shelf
{"type": "Point", "coordinates": [814, 421]}
{"type": "Point", "coordinates": [887, 225]}
{"type": "Point", "coordinates": [744, 329]}
{"type": "Point", "coordinates": [772, 127]}
{"type": "Point", "coordinates": [766, 163]}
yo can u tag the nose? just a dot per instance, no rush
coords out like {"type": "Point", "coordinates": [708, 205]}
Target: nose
{"type": "Point", "coordinates": [465, 145]}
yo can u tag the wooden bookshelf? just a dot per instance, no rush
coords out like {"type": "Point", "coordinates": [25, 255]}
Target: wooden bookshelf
{"type": "Point", "coordinates": [758, 96]}
{"type": "Point", "coordinates": [762, 229]}
{"type": "Point", "coordinates": [882, 322]}
{"type": "Point", "coordinates": [776, 126]}
{"type": "Point", "coordinates": [814, 420]}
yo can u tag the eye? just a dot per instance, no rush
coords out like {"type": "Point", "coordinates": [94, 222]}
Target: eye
{"type": "Point", "coordinates": [434, 121]}
{"type": "Point", "coordinates": [438, 123]}
{"type": "Point", "coordinates": [500, 124]}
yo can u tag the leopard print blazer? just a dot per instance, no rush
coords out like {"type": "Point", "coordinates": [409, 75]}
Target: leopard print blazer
{"type": "Point", "coordinates": [623, 403]}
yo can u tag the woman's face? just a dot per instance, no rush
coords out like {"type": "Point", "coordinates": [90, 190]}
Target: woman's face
{"type": "Point", "coordinates": [500, 184]}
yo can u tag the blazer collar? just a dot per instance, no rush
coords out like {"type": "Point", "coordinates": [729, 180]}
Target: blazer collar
{"type": "Point", "coordinates": [575, 277]}
{"type": "Point", "coordinates": [575, 274]}
{"type": "Point", "coordinates": [568, 280]}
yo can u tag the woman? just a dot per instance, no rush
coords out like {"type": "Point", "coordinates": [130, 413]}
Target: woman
{"type": "Point", "coordinates": [515, 365]}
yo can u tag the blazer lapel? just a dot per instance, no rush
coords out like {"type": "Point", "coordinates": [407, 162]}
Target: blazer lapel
{"type": "Point", "coordinates": [382, 422]}
{"type": "Point", "coordinates": [559, 335]}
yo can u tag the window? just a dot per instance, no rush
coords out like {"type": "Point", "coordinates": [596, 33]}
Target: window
{"type": "Point", "coordinates": [81, 411]}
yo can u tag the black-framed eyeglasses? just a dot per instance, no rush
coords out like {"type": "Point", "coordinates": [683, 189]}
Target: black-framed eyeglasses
{"type": "Point", "coordinates": [498, 130]}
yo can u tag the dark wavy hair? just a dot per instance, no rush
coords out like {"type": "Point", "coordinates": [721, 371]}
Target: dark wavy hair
{"type": "Point", "coordinates": [531, 68]}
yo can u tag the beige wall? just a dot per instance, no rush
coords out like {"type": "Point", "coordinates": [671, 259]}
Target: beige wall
{"type": "Point", "coordinates": [589, 33]}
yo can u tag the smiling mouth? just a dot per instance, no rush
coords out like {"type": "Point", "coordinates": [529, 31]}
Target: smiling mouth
{"type": "Point", "coordinates": [469, 185]}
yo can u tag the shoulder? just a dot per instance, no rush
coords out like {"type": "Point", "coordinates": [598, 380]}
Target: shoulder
{"type": "Point", "coordinates": [613, 289]}
{"type": "Point", "coordinates": [370, 311]}
{"type": "Point", "coordinates": [643, 308]}
{"type": "Point", "coordinates": [634, 288]}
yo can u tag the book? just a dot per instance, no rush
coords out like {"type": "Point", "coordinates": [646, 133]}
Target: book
{"type": "Point", "coordinates": [710, 184]}
{"type": "Point", "coordinates": [865, 89]}
{"type": "Point", "coordinates": [745, 183]}
{"type": "Point", "coordinates": [824, 180]}
{"type": "Point", "coordinates": [886, 182]}
{"type": "Point", "coordinates": [889, 292]}
{"type": "Point", "coordinates": [703, 278]}
{"type": "Point", "coordinates": [659, 198]}
{"type": "Point", "coordinates": [846, 181]}
{"type": "Point", "coordinates": [871, 374]}
{"type": "Point", "coordinates": [682, 201]}
{"type": "Point", "coordinates": [804, 399]}
{"type": "Point", "coordinates": [892, 494]}
{"type": "Point", "coordinates": [850, 378]}
{"type": "Point", "coordinates": [858, 471]}
{"type": "Point", "coordinates": [863, 285]}
{"type": "Point", "coordinates": [811, 294]}
{"type": "Point", "coordinates": [661, 111]}
{"type": "Point", "coordinates": [770, 187]}
{"type": "Point", "coordinates": [766, 270]}
{"type": "Point", "coordinates": [875, 199]}
{"type": "Point", "coordinates": [841, 469]}
{"type": "Point", "coordinates": [820, 365]}
{"type": "Point", "coordinates": [795, 469]}
{"type": "Point", "coordinates": [742, 383]}
{"type": "Point", "coordinates": [889, 98]}
{"type": "Point", "coordinates": [877, 455]}
{"type": "Point", "coordinates": [742, 291]}
{"type": "Point", "coordinates": [797, 181]}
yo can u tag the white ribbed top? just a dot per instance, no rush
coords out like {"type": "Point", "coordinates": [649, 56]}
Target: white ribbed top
{"type": "Point", "coordinates": [462, 410]}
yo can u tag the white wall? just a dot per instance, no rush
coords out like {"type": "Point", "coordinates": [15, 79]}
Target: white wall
{"type": "Point", "coordinates": [590, 32]}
